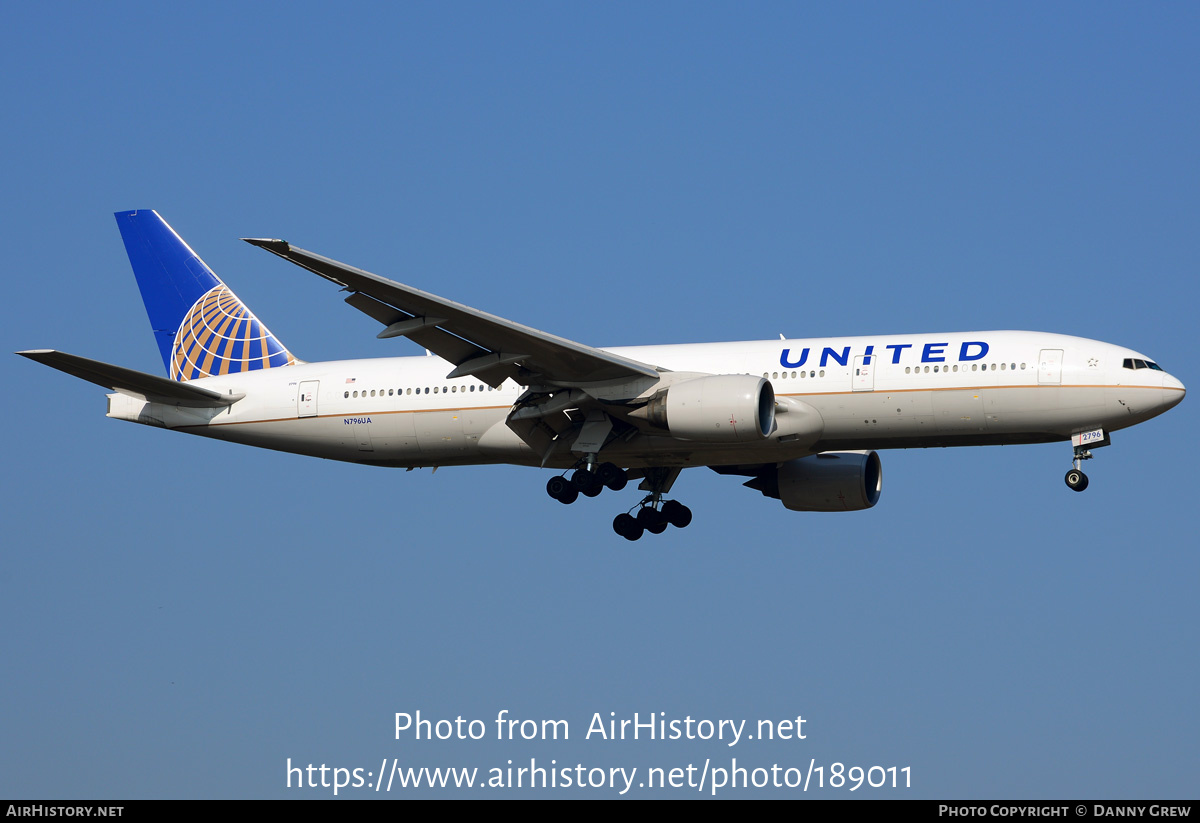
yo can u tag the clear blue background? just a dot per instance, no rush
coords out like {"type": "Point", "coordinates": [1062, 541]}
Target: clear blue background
{"type": "Point", "coordinates": [181, 616]}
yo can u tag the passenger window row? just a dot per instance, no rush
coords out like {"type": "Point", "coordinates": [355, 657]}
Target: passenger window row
{"type": "Point", "coordinates": [775, 375]}
{"type": "Point", "coordinates": [942, 368]}
{"type": "Point", "coordinates": [974, 367]}
{"type": "Point", "coordinates": [480, 387]}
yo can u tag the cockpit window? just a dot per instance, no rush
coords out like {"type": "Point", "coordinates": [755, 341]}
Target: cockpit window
{"type": "Point", "coordinates": [1133, 363]}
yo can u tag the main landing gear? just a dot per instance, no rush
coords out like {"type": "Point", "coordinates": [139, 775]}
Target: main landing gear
{"type": "Point", "coordinates": [1076, 480]}
{"type": "Point", "coordinates": [654, 514]}
{"type": "Point", "coordinates": [650, 519]}
{"type": "Point", "coordinates": [586, 482]}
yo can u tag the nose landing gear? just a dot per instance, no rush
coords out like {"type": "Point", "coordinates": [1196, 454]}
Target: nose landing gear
{"type": "Point", "coordinates": [1076, 480]}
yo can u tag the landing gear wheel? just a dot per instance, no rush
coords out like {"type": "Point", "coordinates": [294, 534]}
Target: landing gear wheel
{"type": "Point", "coordinates": [561, 489]}
{"type": "Point", "coordinates": [627, 526]}
{"type": "Point", "coordinates": [586, 483]}
{"type": "Point", "coordinates": [610, 475]}
{"type": "Point", "coordinates": [1076, 480]}
{"type": "Point", "coordinates": [652, 520]}
{"type": "Point", "coordinates": [677, 514]}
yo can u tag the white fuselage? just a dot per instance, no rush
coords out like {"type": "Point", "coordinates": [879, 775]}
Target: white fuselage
{"type": "Point", "coordinates": [883, 391]}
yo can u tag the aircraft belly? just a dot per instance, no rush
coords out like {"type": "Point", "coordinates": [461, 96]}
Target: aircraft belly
{"type": "Point", "coordinates": [402, 433]}
{"type": "Point", "coordinates": [383, 434]}
{"type": "Point", "coordinates": [654, 450]}
{"type": "Point", "coordinates": [881, 416]}
{"type": "Point", "coordinates": [393, 438]}
{"type": "Point", "coordinates": [440, 433]}
{"type": "Point", "coordinates": [311, 436]}
{"type": "Point", "coordinates": [1057, 409]}
{"type": "Point", "coordinates": [477, 422]}
{"type": "Point", "coordinates": [874, 414]}
{"type": "Point", "coordinates": [502, 443]}
{"type": "Point", "coordinates": [959, 411]}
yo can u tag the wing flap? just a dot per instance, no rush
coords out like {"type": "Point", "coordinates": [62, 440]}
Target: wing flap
{"type": "Point", "coordinates": [464, 334]}
{"type": "Point", "coordinates": [127, 381]}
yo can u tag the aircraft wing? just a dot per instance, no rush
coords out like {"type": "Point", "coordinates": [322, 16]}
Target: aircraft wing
{"type": "Point", "coordinates": [477, 343]}
{"type": "Point", "coordinates": [127, 381]}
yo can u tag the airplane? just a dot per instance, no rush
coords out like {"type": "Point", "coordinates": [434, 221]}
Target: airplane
{"type": "Point", "coordinates": [802, 419]}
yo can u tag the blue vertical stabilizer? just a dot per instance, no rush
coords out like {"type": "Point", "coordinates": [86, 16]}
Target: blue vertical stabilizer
{"type": "Point", "coordinates": [201, 327]}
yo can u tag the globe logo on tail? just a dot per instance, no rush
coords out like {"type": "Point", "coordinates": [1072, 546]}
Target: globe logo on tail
{"type": "Point", "coordinates": [219, 335]}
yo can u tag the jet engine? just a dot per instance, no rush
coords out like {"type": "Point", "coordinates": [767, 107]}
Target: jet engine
{"type": "Point", "coordinates": [719, 408]}
{"type": "Point", "coordinates": [826, 482]}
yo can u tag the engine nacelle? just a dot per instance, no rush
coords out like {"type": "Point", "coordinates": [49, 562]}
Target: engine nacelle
{"type": "Point", "coordinates": [719, 408]}
{"type": "Point", "coordinates": [831, 482]}
{"type": "Point", "coordinates": [826, 482]}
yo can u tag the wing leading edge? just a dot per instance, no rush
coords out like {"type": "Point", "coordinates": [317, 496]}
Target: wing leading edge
{"type": "Point", "coordinates": [479, 344]}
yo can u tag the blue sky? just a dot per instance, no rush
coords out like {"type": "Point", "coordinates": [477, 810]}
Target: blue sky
{"type": "Point", "coordinates": [182, 616]}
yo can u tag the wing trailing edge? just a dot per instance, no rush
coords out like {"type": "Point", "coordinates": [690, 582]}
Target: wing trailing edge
{"type": "Point", "coordinates": [484, 345]}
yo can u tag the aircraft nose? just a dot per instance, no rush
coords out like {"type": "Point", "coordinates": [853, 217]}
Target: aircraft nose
{"type": "Point", "coordinates": [1173, 391]}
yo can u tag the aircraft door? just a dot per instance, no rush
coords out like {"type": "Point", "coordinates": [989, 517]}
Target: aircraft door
{"type": "Point", "coordinates": [863, 378]}
{"type": "Point", "coordinates": [1050, 367]}
{"type": "Point", "coordinates": [362, 431]}
{"type": "Point", "coordinates": [306, 398]}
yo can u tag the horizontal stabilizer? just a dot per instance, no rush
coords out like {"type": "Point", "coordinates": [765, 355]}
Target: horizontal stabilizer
{"type": "Point", "coordinates": [127, 381]}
